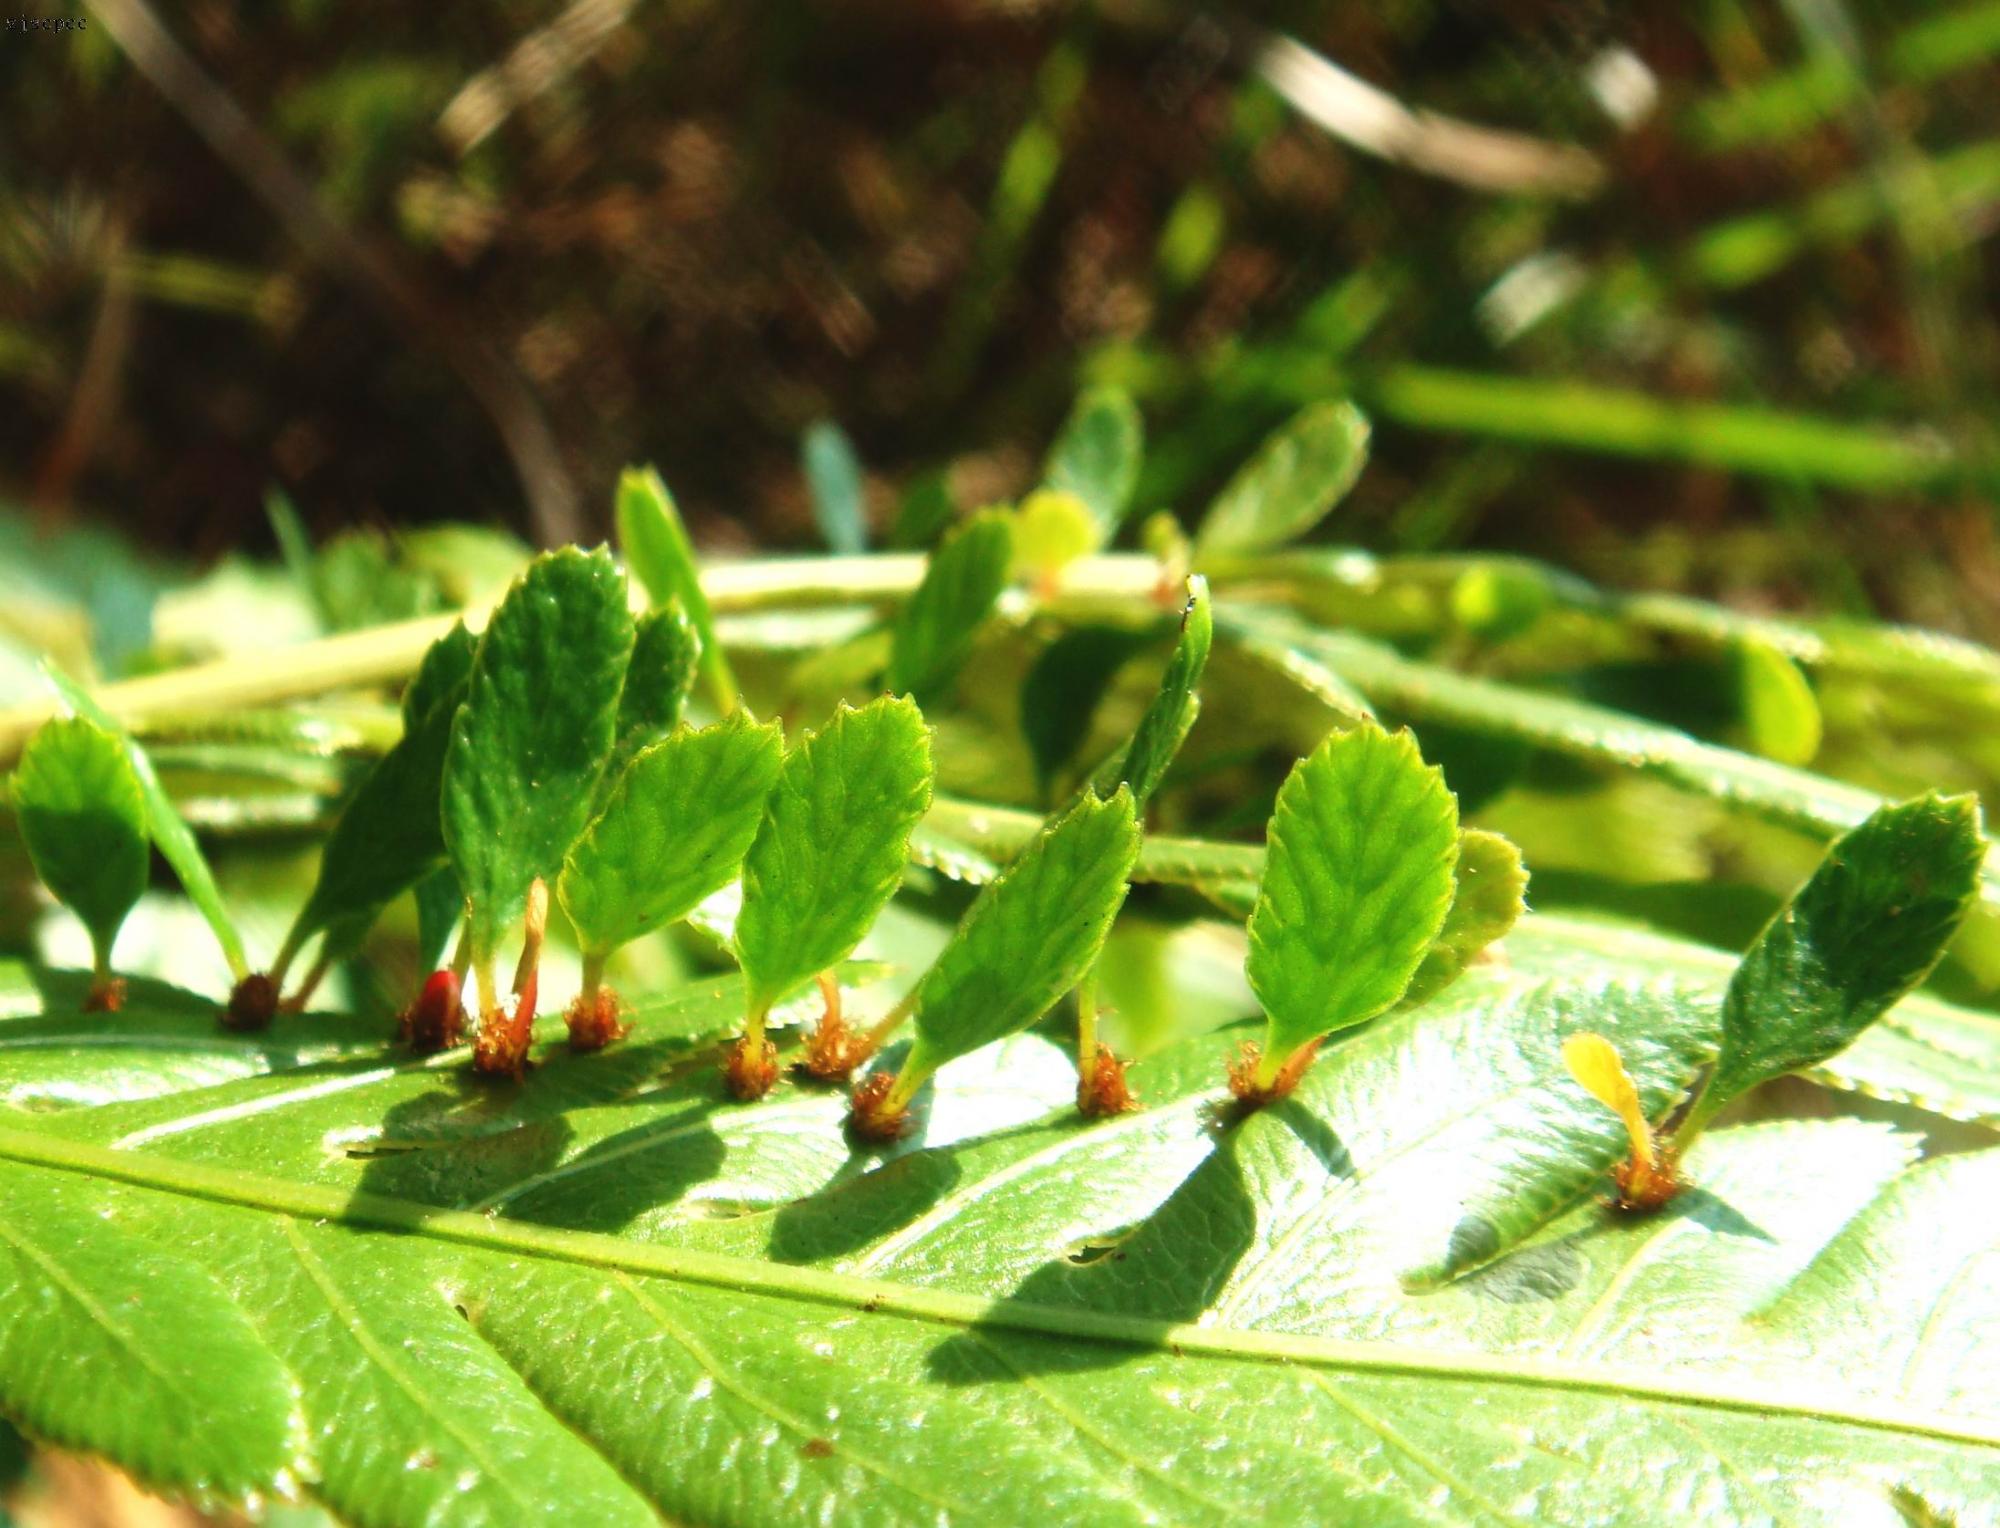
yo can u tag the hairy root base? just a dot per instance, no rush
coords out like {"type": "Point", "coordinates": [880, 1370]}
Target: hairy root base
{"type": "Point", "coordinates": [1103, 1089]}
{"type": "Point", "coordinates": [502, 1047]}
{"type": "Point", "coordinates": [751, 1068]}
{"type": "Point", "coordinates": [253, 1003]}
{"type": "Point", "coordinates": [595, 1021]}
{"type": "Point", "coordinates": [106, 995]}
{"type": "Point", "coordinates": [868, 1119]}
{"type": "Point", "coordinates": [1243, 1074]}
{"type": "Point", "coordinates": [1642, 1190]}
{"type": "Point", "coordinates": [833, 1050]}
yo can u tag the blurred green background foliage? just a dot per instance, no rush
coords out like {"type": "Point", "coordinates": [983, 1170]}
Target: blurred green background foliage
{"type": "Point", "coordinates": [1692, 296]}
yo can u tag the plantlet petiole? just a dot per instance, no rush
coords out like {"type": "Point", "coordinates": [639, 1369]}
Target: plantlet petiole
{"type": "Point", "coordinates": [834, 1050]}
{"type": "Point", "coordinates": [881, 1104]}
{"type": "Point", "coordinates": [501, 1050]}
{"type": "Point", "coordinates": [1101, 1089]}
{"type": "Point", "coordinates": [1258, 1079]}
{"type": "Point", "coordinates": [751, 1065]}
{"type": "Point", "coordinates": [597, 1017]}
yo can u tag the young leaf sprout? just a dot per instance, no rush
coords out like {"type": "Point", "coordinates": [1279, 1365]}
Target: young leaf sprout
{"type": "Point", "coordinates": [1650, 1176]}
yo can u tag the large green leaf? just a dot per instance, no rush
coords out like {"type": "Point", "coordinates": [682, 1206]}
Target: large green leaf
{"type": "Point", "coordinates": [531, 739]}
{"type": "Point", "coordinates": [168, 829]}
{"type": "Point", "coordinates": [82, 814]}
{"type": "Point", "coordinates": [830, 850]}
{"type": "Point", "coordinates": [582, 1299]}
{"type": "Point", "coordinates": [674, 830]}
{"type": "Point", "coordinates": [104, 1333]}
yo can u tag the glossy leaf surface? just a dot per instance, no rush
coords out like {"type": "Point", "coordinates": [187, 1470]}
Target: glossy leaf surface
{"type": "Point", "coordinates": [531, 739]}
{"type": "Point", "coordinates": [673, 831]}
{"type": "Point", "coordinates": [1357, 882]}
{"type": "Point", "coordinates": [1030, 934]}
{"type": "Point", "coordinates": [830, 849]}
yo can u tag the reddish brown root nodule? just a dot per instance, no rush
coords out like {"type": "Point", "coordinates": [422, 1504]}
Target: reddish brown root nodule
{"type": "Point", "coordinates": [751, 1068]}
{"type": "Point", "coordinates": [436, 1020]}
{"type": "Point", "coordinates": [253, 1003]}
{"type": "Point", "coordinates": [501, 1049]}
{"type": "Point", "coordinates": [1102, 1090]}
{"type": "Point", "coordinates": [595, 1020]}
{"type": "Point", "coordinates": [106, 995]}
{"type": "Point", "coordinates": [1253, 1094]}
{"type": "Point", "coordinates": [869, 1118]}
{"type": "Point", "coordinates": [834, 1050]}
{"type": "Point", "coordinates": [1644, 1187]}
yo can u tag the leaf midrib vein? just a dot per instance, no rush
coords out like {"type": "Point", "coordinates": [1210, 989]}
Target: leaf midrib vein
{"type": "Point", "coordinates": [246, 1190]}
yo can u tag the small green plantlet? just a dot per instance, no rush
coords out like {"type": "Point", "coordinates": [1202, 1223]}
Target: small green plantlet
{"type": "Point", "coordinates": [839, 496]}
{"type": "Point", "coordinates": [82, 814]}
{"type": "Point", "coordinates": [673, 830]}
{"type": "Point", "coordinates": [657, 549]}
{"type": "Point", "coordinates": [666, 661]}
{"type": "Point", "coordinates": [1868, 925]}
{"type": "Point", "coordinates": [388, 836]}
{"type": "Point", "coordinates": [1096, 457]}
{"type": "Point", "coordinates": [1296, 477]}
{"type": "Point", "coordinates": [827, 855]}
{"type": "Point", "coordinates": [935, 628]}
{"type": "Point", "coordinates": [529, 743]}
{"type": "Point", "coordinates": [1029, 936]}
{"type": "Point", "coordinates": [1141, 766]}
{"type": "Point", "coordinates": [1650, 1176]}
{"type": "Point", "coordinates": [1357, 883]}
{"type": "Point", "coordinates": [1489, 895]}
{"type": "Point", "coordinates": [254, 999]}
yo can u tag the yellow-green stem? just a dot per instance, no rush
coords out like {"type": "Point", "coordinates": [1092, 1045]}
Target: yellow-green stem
{"type": "Point", "coordinates": [593, 974]}
{"type": "Point", "coordinates": [753, 1024]}
{"type": "Point", "coordinates": [903, 1089]}
{"type": "Point", "coordinates": [890, 1022]}
{"type": "Point", "coordinates": [1086, 1026]}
